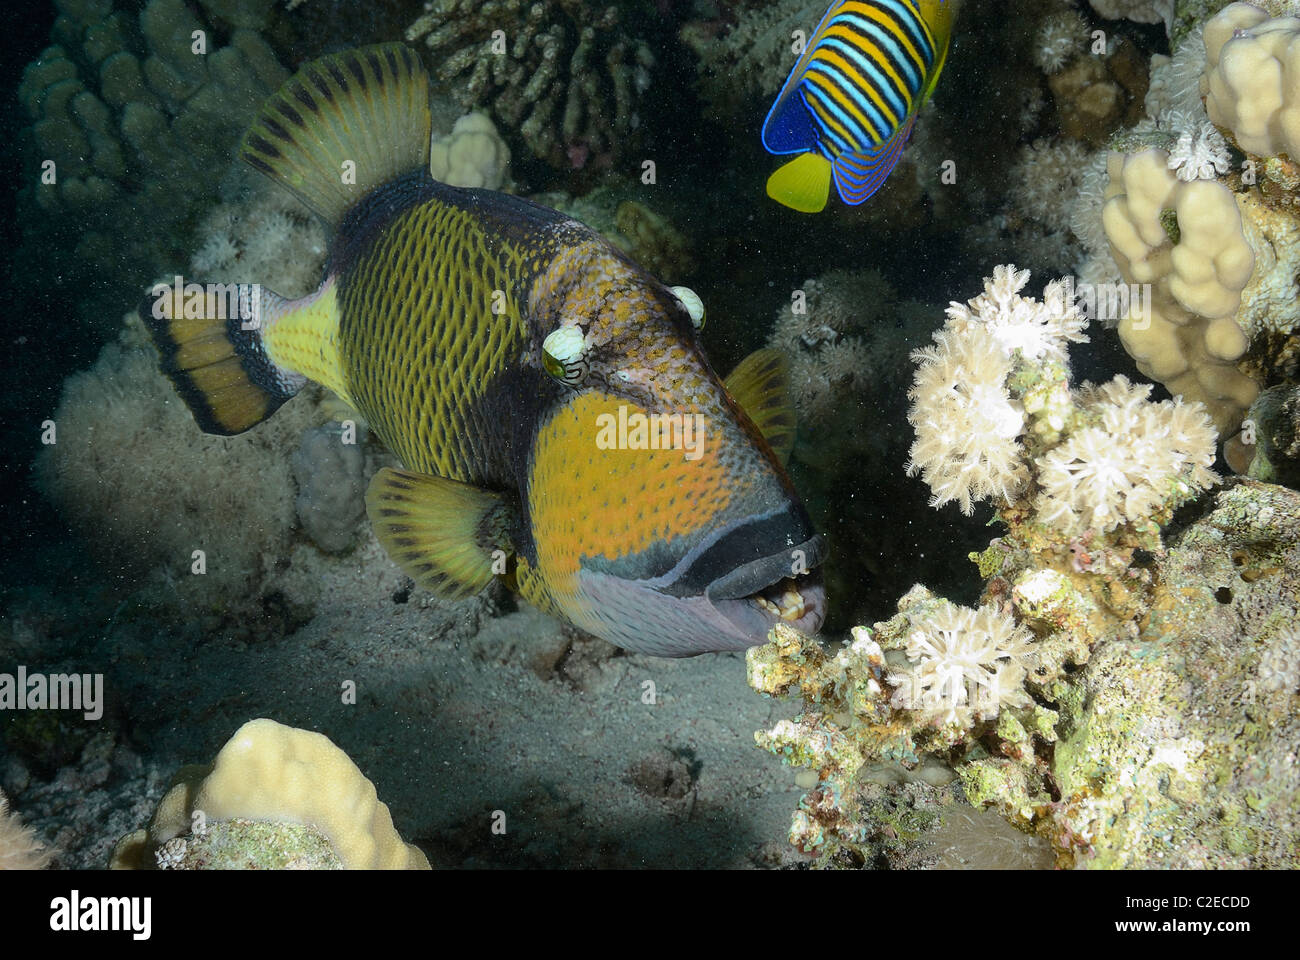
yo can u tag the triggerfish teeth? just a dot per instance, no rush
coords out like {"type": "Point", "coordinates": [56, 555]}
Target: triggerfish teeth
{"type": "Point", "coordinates": [559, 427]}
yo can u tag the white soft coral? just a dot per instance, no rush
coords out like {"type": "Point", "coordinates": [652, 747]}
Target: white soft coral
{"type": "Point", "coordinates": [1060, 37]}
{"type": "Point", "coordinates": [966, 665]}
{"type": "Point", "coordinates": [1039, 330]}
{"type": "Point", "coordinates": [966, 423]}
{"type": "Point", "coordinates": [1201, 153]}
{"type": "Point", "coordinates": [1128, 462]}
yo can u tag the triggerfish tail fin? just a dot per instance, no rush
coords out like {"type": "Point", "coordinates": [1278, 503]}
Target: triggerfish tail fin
{"type": "Point", "coordinates": [760, 384]}
{"type": "Point", "coordinates": [859, 175]}
{"type": "Point", "coordinates": [344, 125]}
{"type": "Point", "coordinates": [803, 184]}
{"type": "Point", "coordinates": [211, 344]}
{"type": "Point", "coordinates": [450, 538]}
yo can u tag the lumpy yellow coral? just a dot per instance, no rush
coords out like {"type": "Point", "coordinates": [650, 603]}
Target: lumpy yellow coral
{"type": "Point", "coordinates": [1185, 332]}
{"type": "Point", "coordinates": [1252, 78]}
{"type": "Point", "coordinates": [280, 774]}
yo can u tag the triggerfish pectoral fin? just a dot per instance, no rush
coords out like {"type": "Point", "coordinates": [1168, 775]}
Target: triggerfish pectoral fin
{"type": "Point", "coordinates": [859, 175]}
{"type": "Point", "coordinates": [803, 184]}
{"type": "Point", "coordinates": [761, 385]}
{"type": "Point", "coordinates": [443, 534]}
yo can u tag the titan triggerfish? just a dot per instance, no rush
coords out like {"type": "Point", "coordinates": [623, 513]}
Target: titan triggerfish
{"type": "Point", "coordinates": [549, 400]}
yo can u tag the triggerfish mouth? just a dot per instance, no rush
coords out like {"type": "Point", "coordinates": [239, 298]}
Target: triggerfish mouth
{"type": "Point", "coordinates": [558, 424]}
{"type": "Point", "coordinates": [851, 99]}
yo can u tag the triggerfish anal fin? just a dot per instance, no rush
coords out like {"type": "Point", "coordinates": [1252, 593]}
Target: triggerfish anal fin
{"type": "Point", "coordinates": [760, 384]}
{"type": "Point", "coordinates": [443, 534]}
{"type": "Point", "coordinates": [859, 175]}
{"type": "Point", "coordinates": [803, 184]}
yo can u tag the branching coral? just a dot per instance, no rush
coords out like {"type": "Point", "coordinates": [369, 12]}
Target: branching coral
{"type": "Point", "coordinates": [1220, 273]}
{"type": "Point", "coordinates": [1213, 240]}
{"type": "Point", "coordinates": [1252, 79]}
{"type": "Point", "coordinates": [563, 73]}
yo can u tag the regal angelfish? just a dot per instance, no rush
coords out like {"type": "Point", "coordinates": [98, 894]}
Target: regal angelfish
{"type": "Point", "coordinates": [850, 101]}
{"type": "Point", "coordinates": [548, 399]}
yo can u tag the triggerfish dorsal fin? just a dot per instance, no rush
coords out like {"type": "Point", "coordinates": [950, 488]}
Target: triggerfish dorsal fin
{"type": "Point", "coordinates": [859, 175]}
{"type": "Point", "coordinates": [803, 184]}
{"type": "Point", "coordinates": [344, 125]}
{"type": "Point", "coordinates": [446, 536]}
{"type": "Point", "coordinates": [760, 384]}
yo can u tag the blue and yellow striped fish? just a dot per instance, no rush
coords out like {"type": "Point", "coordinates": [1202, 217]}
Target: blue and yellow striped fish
{"type": "Point", "coordinates": [848, 106]}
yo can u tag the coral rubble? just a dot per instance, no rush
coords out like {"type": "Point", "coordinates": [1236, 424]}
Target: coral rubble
{"type": "Point", "coordinates": [1064, 701]}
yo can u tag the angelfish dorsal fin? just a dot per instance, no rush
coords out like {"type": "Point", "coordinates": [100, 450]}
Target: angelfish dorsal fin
{"type": "Point", "coordinates": [761, 385]}
{"type": "Point", "coordinates": [344, 125]}
{"type": "Point", "coordinates": [446, 536]}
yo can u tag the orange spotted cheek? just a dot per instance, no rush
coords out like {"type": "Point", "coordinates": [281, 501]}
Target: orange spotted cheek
{"type": "Point", "coordinates": [595, 499]}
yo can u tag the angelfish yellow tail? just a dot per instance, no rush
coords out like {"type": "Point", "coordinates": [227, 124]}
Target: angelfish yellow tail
{"type": "Point", "coordinates": [803, 184]}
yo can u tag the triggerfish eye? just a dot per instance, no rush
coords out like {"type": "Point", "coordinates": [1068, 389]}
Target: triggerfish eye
{"type": "Point", "coordinates": [563, 355]}
{"type": "Point", "coordinates": [693, 304]}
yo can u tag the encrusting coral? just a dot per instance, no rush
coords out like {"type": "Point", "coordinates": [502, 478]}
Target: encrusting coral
{"type": "Point", "coordinates": [268, 773]}
{"type": "Point", "coordinates": [1084, 603]}
{"type": "Point", "coordinates": [564, 74]}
